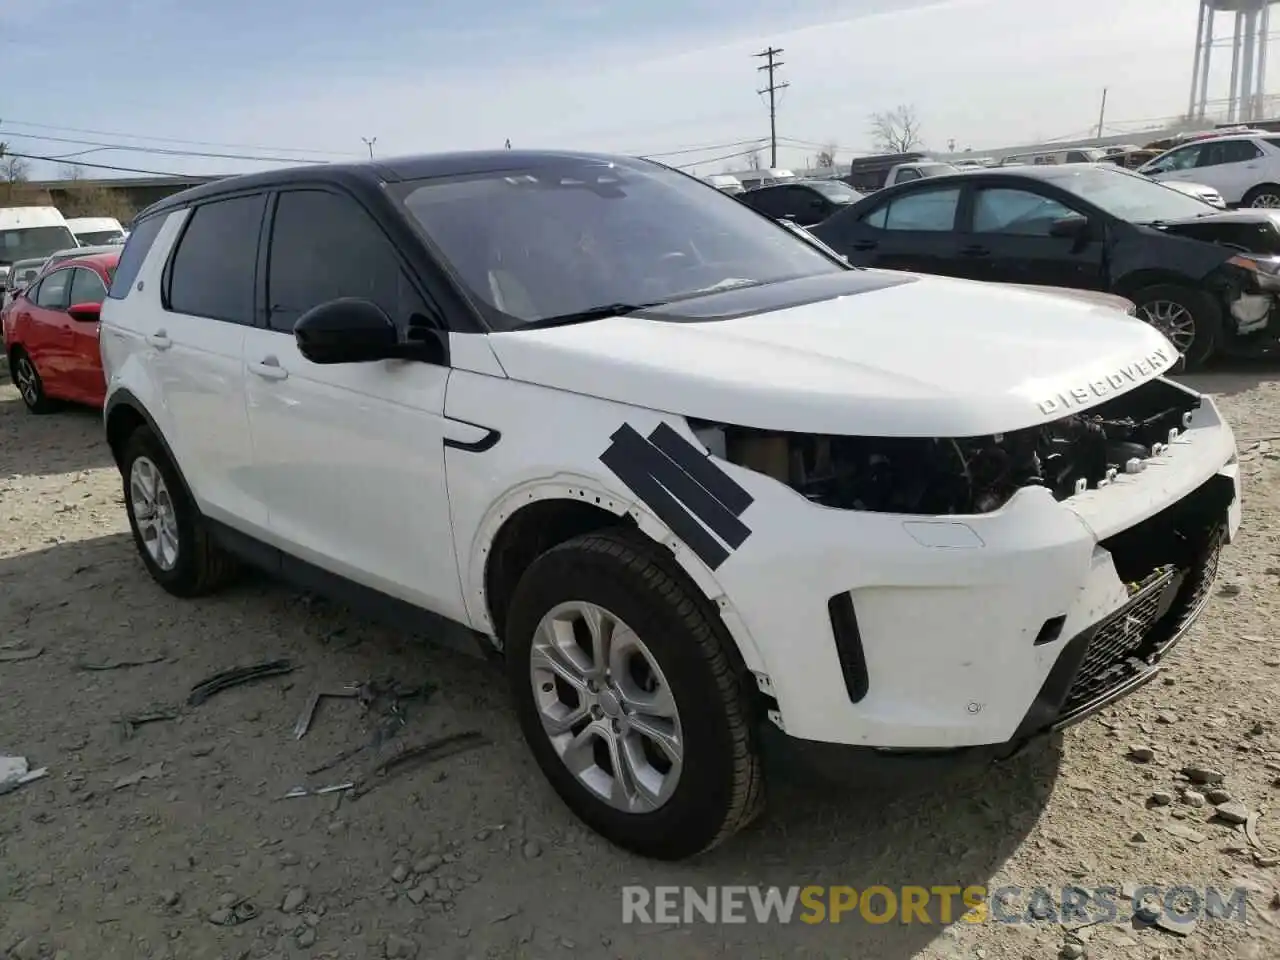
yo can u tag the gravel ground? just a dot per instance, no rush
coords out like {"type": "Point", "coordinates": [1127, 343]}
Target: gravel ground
{"type": "Point", "coordinates": [172, 838]}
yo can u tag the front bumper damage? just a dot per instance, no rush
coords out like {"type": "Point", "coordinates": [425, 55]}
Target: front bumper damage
{"type": "Point", "coordinates": [902, 644]}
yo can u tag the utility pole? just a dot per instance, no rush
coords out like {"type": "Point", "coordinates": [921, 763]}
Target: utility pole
{"type": "Point", "coordinates": [369, 143]}
{"type": "Point", "coordinates": [771, 64]}
{"type": "Point", "coordinates": [1102, 113]}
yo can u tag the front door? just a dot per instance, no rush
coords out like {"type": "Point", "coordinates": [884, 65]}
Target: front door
{"type": "Point", "coordinates": [349, 458]}
{"type": "Point", "coordinates": [49, 339]}
{"type": "Point", "coordinates": [1010, 241]}
{"type": "Point", "coordinates": [84, 360]}
{"type": "Point", "coordinates": [914, 231]}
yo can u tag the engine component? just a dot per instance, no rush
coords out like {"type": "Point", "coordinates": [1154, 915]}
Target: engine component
{"type": "Point", "coordinates": [941, 476]}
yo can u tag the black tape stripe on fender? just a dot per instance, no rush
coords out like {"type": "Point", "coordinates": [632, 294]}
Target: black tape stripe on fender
{"type": "Point", "coordinates": [683, 488]}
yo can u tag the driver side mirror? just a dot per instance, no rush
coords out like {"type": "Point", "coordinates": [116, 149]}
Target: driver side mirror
{"type": "Point", "coordinates": [353, 330]}
{"type": "Point", "coordinates": [85, 312]}
{"type": "Point", "coordinates": [1070, 228]}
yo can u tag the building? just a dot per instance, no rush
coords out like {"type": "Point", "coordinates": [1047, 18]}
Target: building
{"type": "Point", "coordinates": [127, 193]}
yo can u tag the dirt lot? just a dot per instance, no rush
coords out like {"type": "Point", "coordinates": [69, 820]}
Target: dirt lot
{"type": "Point", "coordinates": [141, 838]}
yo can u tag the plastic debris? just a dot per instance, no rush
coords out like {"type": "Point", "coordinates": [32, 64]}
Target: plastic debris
{"type": "Point", "coordinates": [19, 654]}
{"type": "Point", "coordinates": [427, 752]}
{"type": "Point", "coordinates": [129, 724]}
{"type": "Point", "coordinates": [300, 729]}
{"type": "Point", "coordinates": [153, 772]}
{"type": "Point", "coordinates": [120, 664]}
{"type": "Point", "coordinates": [15, 772]}
{"type": "Point", "coordinates": [318, 791]}
{"type": "Point", "coordinates": [236, 676]}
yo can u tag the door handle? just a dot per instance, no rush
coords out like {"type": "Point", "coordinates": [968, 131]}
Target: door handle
{"type": "Point", "coordinates": [269, 369]}
{"type": "Point", "coordinates": [865, 245]}
{"type": "Point", "coordinates": [160, 340]}
{"type": "Point", "coordinates": [975, 251]}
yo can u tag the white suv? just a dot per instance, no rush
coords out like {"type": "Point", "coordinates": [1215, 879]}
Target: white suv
{"type": "Point", "coordinates": [709, 490]}
{"type": "Point", "coordinates": [1243, 168]}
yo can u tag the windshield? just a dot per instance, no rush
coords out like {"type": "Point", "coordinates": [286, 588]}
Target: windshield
{"type": "Point", "coordinates": [1129, 196]}
{"type": "Point", "coordinates": [27, 243]}
{"type": "Point", "coordinates": [572, 236]}
{"type": "Point", "coordinates": [838, 191]}
{"type": "Point", "coordinates": [100, 237]}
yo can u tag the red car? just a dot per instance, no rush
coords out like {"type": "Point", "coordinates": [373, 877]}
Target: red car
{"type": "Point", "coordinates": [51, 334]}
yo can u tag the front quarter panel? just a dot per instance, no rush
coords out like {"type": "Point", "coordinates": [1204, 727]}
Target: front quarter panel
{"type": "Point", "coordinates": [1137, 250]}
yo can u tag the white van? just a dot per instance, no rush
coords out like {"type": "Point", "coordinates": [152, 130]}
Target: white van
{"type": "Point", "coordinates": [92, 231]}
{"type": "Point", "coordinates": [30, 232]}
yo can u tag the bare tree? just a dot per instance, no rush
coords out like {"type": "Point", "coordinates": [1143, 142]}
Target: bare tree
{"type": "Point", "coordinates": [755, 161]}
{"type": "Point", "coordinates": [896, 130]}
{"type": "Point", "coordinates": [84, 198]}
{"type": "Point", "coordinates": [826, 158]}
{"type": "Point", "coordinates": [12, 169]}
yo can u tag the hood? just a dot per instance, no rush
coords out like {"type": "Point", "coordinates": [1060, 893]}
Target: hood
{"type": "Point", "coordinates": [930, 358]}
{"type": "Point", "coordinates": [1253, 230]}
{"type": "Point", "coordinates": [1096, 297]}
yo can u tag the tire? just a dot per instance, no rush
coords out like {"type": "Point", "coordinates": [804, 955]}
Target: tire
{"type": "Point", "coordinates": [1265, 195]}
{"type": "Point", "coordinates": [719, 788]}
{"type": "Point", "coordinates": [1166, 299]}
{"type": "Point", "coordinates": [22, 370]}
{"type": "Point", "coordinates": [196, 565]}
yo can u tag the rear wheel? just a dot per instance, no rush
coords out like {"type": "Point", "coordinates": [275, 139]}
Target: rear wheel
{"type": "Point", "coordinates": [1266, 196]}
{"type": "Point", "coordinates": [169, 531]}
{"type": "Point", "coordinates": [27, 379]}
{"type": "Point", "coordinates": [1190, 318]}
{"type": "Point", "coordinates": [631, 697]}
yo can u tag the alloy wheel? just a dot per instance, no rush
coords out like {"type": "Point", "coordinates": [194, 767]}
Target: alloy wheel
{"type": "Point", "coordinates": [606, 707]}
{"type": "Point", "coordinates": [154, 513]}
{"type": "Point", "coordinates": [25, 379]}
{"type": "Point", "coordinates": [1173, 320]}
{"type": "Point", "coordinates": [1266, 200]}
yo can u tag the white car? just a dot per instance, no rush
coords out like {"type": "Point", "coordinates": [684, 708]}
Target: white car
{"type": "Point", "coordinates": [1200, 191]}
{"type": "Point", "coordinates": [1243, 168]}
{"type": "Point", "coordinates": [706, 488]}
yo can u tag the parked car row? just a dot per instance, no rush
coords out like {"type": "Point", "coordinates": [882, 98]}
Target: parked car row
{"type": "Point", "coordinates": [343, 374]}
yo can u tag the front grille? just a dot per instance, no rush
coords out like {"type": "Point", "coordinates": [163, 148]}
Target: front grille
{"type": "Point", "coordinates": [1127, 645]}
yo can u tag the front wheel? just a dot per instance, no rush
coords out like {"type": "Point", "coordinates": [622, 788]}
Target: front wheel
{"type": "Point", "coordinates": [631, 697]}
{"type": "Point", "coordinates": [1191, 319]}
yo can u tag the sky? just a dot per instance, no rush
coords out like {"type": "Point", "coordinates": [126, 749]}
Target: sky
{"type": "Point", "coordinates": [308, 80]}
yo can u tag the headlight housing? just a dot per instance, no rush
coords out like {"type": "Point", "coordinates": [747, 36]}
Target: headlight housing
{"type": "Point", "coordinates": [1264, 270]}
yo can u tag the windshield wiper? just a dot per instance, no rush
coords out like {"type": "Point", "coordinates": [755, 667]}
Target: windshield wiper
{"type": "Point", "coordinates": [602, 312]}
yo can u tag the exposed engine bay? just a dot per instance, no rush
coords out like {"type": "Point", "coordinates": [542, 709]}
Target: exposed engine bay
{"type": "Point", "coordinates": [973, 475]}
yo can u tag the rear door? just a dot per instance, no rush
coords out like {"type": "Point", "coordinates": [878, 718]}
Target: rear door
{"type": "Point", "coordinates": [48, 338]}
{"type": "Point", "coordinates": [912, 230]}
{"type": "Point", "coordinates": [1009, 239]}
{"type": "Point", "coordinates": [84, 360]}
{"type": "Point", "coordinates": [195, 349]}
{"type": "Point", "coordinates": [1233, 167]}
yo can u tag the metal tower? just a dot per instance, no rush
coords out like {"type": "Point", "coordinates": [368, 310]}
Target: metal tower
{"type": "Point", "coordinates": [1246, 99]}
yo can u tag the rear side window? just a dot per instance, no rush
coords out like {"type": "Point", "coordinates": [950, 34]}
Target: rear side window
{"type": "Point", "coordinates": [52, 292]}
{"type": "Point", "coordinates": [135, 252]}
{"type": "Point", "coordinates": [212, 271]}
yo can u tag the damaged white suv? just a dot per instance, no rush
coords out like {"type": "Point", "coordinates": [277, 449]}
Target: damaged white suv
{"type": "Point", "coordinates": [705, 487]}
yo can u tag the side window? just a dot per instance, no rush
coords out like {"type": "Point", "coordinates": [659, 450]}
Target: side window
{"type": "Point", "coordinates": [1183, 159]}
{"type": "Point", "coordinates": [86, 287]}
{"type": "Point", "coordinates": [1016, 212]}
{"type": "Point", "coordinates": [325, 246]}
{"type": "Point", "coordinates": [134, 254]}
{"type": "Point", "coordinates": [768, 201]}
{"type": "Point", "coordinates": [905, 176]}
{"type": "Point", "coordinates": [926, 210]}
{"type": "Point", "coordinates": [52, 294]}
{"type": "Point", "coordinates": [1228, 151]}
{"type": "Point", "coordinates": [212, 271]}
{"type": "Point", "coordinates": [877, 217]}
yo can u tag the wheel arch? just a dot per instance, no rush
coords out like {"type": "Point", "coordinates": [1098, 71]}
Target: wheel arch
{"type": "Point", "coordinates": [1131, 283]}
{"type": "Point", "coordinates": [123, 414]}
{"type": "Point", "coordinates": [534, 517]}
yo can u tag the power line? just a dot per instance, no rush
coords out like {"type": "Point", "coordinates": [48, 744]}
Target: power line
{"type": "Point", "coordinates": [685, 151]}
{"type": "Point", "coordinates": [160, 151]}
{"type": "Point", "coordinates": [727, 156]}
{"type": "Point", "coordinates": [96, 166]}
{"type": "Point", "coordinates": [771, 65]}
{"type": "Point", "coordinates": [190, 143]}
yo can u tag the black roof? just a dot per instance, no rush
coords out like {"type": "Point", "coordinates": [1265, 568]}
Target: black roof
{"type": "Point", "coordinates": [390, 170]}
